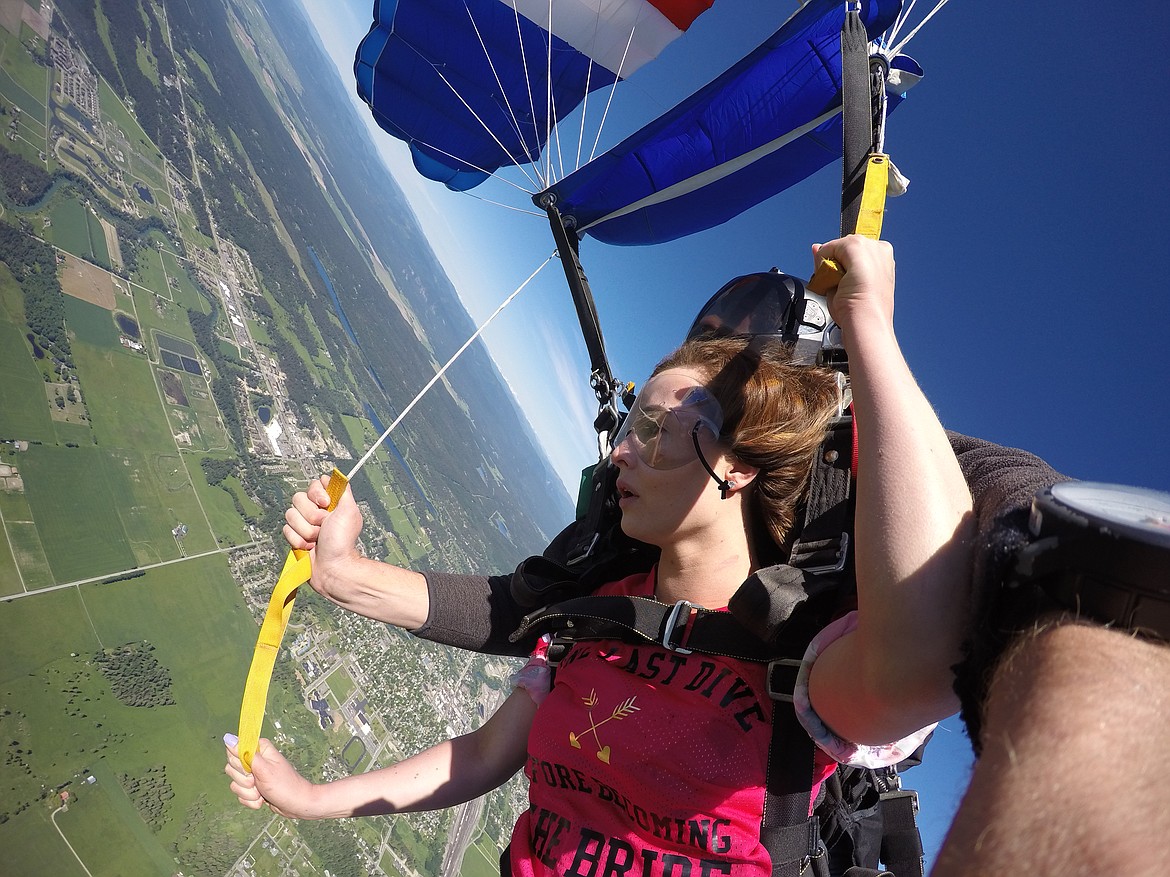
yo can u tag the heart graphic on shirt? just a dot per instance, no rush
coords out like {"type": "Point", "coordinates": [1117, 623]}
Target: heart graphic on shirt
{"type": "Point", "coordinates": [574, 740]}
{"type": "Point", "coordinates": [603, 754]}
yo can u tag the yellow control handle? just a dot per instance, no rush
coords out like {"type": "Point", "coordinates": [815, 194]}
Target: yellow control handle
{"type": "Point", "coordinates": [295, 573]}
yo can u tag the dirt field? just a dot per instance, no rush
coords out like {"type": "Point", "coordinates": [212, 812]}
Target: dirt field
{"type": "Point", "coordinates": [12, 12]}
{"type": "Point", "coordinates": [87, 282]}
{"type": "Point", "coordinates": [112, 244]}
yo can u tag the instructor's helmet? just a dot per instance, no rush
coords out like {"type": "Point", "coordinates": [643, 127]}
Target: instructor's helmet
{"type": "Point", "coordinates": [768, 304]}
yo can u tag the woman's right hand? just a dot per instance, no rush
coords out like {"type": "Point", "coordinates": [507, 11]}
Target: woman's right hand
{"type": "Point", "coordinates": [330, 537]}
{"type": "Point", "coordinates": [273, 781]}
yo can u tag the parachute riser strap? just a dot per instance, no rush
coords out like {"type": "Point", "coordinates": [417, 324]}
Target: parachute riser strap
{"type": "Point", "coordinates": [865, 168]}
{"type": "Point", "coordinates": [601, 378]}
{"type": "Point", "coordinates": [297, 570]}
{"type": "Point", "coordinates": [857, 138]}
{"type": "Point", "coordinates": [901, 850]}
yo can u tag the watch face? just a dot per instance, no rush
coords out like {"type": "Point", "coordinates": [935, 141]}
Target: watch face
{"type": "Point", "coordinates": [1135, 511]}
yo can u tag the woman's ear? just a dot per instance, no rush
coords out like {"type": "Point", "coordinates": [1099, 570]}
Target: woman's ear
{"type": "Point", "coordinates": [739, 474]}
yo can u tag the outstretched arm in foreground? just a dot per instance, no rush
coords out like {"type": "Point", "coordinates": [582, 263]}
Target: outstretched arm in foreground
{"type": "Point", "coordinates": [447, 774]}
{"type": "Point", "coordinates": [914, 527]}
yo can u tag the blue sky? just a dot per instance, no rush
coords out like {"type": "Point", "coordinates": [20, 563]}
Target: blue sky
{"type": "Point", "coordinates": [1032, 298]}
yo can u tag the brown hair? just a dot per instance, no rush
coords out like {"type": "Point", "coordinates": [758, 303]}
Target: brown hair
{"type": "Point", "coordinates": [774, 418]}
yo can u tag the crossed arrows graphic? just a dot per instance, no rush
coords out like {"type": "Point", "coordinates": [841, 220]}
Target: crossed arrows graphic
{"type": "Point", "coordinates": [620, 712]}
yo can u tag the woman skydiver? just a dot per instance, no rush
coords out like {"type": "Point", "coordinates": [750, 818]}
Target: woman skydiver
{"type": "Point", "coordinates": [634, 743]}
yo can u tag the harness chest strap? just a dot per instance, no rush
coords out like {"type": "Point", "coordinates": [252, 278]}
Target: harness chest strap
{"type": "Point", "coordinates": [297, 570]}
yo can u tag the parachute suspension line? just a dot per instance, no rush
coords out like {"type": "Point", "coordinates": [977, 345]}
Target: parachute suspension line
{"type": "Point", "coordinates": [491, 63]}
{"type": "Point", "coordinates": [439, 374]}
{"type": "Point", "coordinates": [585, 96]}
{"type": "Point", "coordinates": [528, 85]}
{"type": "Point", "coordinates": [475, 116]}
{"type": "Point", "coordinates": [551, 107]}
{"type": "Point", "coordinates": [901, 19]}
{"type": "Point", "coordinates": [584, 110]}
{"type": "Point", "coordinates": [471, 194]}
{"type": "Point", "coordinates": [492, 174]}
{"type": "Point", "coordinates": [939, 5]}
{"type": "Point", "coordinates": [613, 88]}
{"type": "Point", "coordinates": [298, 568]}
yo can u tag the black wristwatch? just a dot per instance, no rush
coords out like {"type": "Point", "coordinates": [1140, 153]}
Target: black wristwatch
{"type": "Point", "coordinates": [1103, 551]}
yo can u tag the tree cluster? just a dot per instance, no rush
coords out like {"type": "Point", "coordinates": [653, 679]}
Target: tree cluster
{"type": "Point", "coordinates": [335, 845]}
{"type": "Point", "coordinates": [23, 182]}
{"type": "Point", "coordinates": [150, 793]}
{"type": "Point", "coordinates": [135, 675]}
{"type": "Point", "coordinates": [206, 846]}
{"type": "Point", "coordinates": [34, 265]}
{"type": "Point", "coordinates": [215, 471]}
{"type": "Point", "coordinates": [124, 577]}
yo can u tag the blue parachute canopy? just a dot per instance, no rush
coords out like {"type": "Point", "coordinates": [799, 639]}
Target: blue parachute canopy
{"type": "Point", "coordinates": [767, 123]}
{"type": "Point", "coordinates": [476, 85]}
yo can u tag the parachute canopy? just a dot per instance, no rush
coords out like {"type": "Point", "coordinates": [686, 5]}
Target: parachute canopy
{"type": "Point", "coordinates": [475, 85]}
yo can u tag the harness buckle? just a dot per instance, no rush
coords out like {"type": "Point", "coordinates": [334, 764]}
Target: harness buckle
{"type": "Point", "coordinates": [558, 647]}
{"type": "Point", "coordinates": [840, 556]}
{"type": "Point", "coordinates": [787, 667]}
{"type": "Point", "coordinates": [681, 609]}
{"type": "Point", "coordinates": [582, 553]}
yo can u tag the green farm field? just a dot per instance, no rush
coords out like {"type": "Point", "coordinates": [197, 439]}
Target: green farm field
{"type": "Point", "coordinates": [120, 392]}
{"type": "Point", "coordinates": [185, 294]}
{"type": "Point", "coordinates": [193, 614]}
{"type": "Point", "coordinates": [73, 500]}
{"type": "Point", "coordinates": [341, 684]}
{"type": "Point", "coordinates": [91, 323]}
{"type": "Point", "coordinates": [153, 494]}
{"type": "Point", "coordinates": [225, 521]}
{"type": "Point", "coordinates": [24, 410]}
{"type": "Point", "coordinates": [25, 542]}
{"type": "Point", "coordinates": [15, 61]}
{"type": "Point", "coordinates": [159, 314]}
{"type": "Point", "coordinates": [10, 582]}
{"type": "Point", "coordinates": [76, 230]}
{"type": "Point", "coordinates": [482, 859]}
{"type": "Point", "coordinates": [21, 81]}
{"type": "Point", "coordinates": [150, 273]}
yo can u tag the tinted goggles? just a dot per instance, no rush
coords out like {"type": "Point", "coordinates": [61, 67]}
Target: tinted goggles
{"type": "Point", "coordinates": [670, 429]}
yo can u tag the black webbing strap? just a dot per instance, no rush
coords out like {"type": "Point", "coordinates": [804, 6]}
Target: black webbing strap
{"type": "Point", "coordinates": [790, 835]}
{"type": "Point", "coordinates": [602, 486]}
{"type": "Point", "coordinates": [823, 543]}
{"type": "Point", "coordinates": [856, 117]}
{"type": "Point", "coordinates": [902, 851]}
{"type": "Point", "coordinates": [681, 627]}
